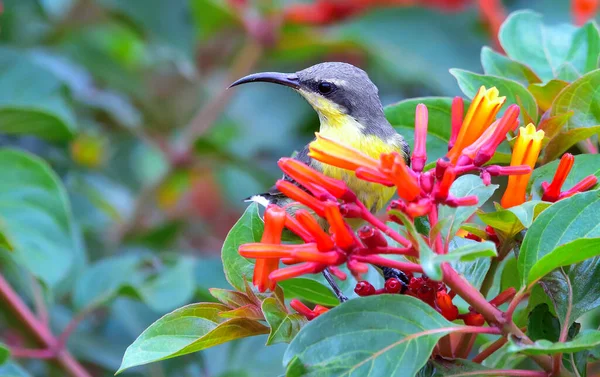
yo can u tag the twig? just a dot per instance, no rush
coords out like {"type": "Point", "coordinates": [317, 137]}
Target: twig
{"type": "Point", "coordinates": [40, 331]}
{"type": "Point", "coordinates": [490, 350]}
{"type": "Point", "coordinates": [336, 289]}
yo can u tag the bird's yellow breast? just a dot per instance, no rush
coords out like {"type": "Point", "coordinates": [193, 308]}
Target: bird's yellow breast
{"type": "Point", "coordinates": [348, 131]}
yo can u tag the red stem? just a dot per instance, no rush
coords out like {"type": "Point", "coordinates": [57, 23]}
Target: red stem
{"type": "Point", "coordinates": [381, 261]}
{"type": "Point", "coordinates": [40, 331]}
{"type": "Point", "coordinates": [490, 350]}
{"type": "Point", "coordinates": [433, 220]}
{"type": "Point", "coordinates": [26, 353]}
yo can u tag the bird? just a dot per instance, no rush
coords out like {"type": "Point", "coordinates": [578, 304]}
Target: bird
{"type": "Point", "coordinates": [350, 112]}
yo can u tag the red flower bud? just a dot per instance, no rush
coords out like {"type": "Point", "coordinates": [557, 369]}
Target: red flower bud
{"type": "Point", "coordinates": [372, 237]}
{"type": "Point", "coordinates": [447, 308]}
{"type": "Point", "coordinates": [419, 155]}
{"type": "Point", "coordinates": [393, 285]}
{"type": "Point", "coordinates": [457, 112]}
{"type": "Point", "coordinates": [473, 319]}
{"type": "Point", "coordinates": [583, 185]}
{"type": "Point", "coordinates": [445, 183]}
{"type": "Point", "coordinates": [364, 288]}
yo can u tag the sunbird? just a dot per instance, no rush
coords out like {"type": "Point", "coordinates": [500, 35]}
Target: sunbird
{"type": "Point", "coordinates": [350, 112]}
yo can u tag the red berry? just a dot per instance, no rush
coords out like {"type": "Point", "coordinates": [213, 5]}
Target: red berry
{"type": "Point", "coordinates": [393, 285]}
{"type": "Point", "coordinates": [473, 319]}
{"type": "Point", "coordinates": [364, 288]}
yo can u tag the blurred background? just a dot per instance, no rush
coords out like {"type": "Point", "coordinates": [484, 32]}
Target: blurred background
{"type": "Point", "coordinates": [157, 156]}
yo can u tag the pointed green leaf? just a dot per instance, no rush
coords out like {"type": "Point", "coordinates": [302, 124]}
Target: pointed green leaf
{"type": "Point", "coordinates": [232, 299]}
{"type": "Point", "coordinates": [565, 233]}
{"type": "Point", "coordinates": [495, 64]}
{"type": "Point", "coordinates": [512, 220]}
{"type": "Point", "coordinates": [189, 329]}
{"type": "Point", "coordinates": [587, 340]}
{"type": "Point", "coordinates": [309, 290]}
{"type": "Point", "coordinates": [284, 326]}
{"type": "Point", "coordinates": [469, 252]}
{"type": "Point", "coordinates": [545, 94]}
{"type": "Point", "coordinates": [249, 311]}
{"type": "Point", "coordinates": [386, 335]}
{"type": "Point", "coordinates": [35, 216]}
{"type": "Point", "coordinates": [247, 229]}
{"type": "Point", "coordinates": [515, 93]}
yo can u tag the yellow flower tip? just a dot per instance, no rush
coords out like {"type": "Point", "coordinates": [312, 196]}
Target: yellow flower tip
{"type": "Point", "coordinates": [492, 96]}
{"type": "Point", "coordinates": [530, 133]}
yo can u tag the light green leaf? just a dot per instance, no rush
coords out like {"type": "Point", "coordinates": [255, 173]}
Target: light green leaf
{"type": "Point", "coordinates": [512, 220]}
{"type": "Point", "coordinates": [367, 335]}
{"type": "Point", "coordinates": [469, 252]}
{"type": "Point", "coordinates": [565, 233]}
{"type": "Point", "coordinates": [284, 326]}
{"type": "Point", "coordinates": [545, 94]}
{"type": "Point", "coordinates": [495, 64]}
{"type": "Point", "coordinates": [12, 369]}
{"type": "Point", "coordinates": [186, 330]}
{"type": "Point", "coordinates": [515, 93]}
{"type": "Point", "coordinates": [402, 117]}
{"type": "Point", "coordinates": [32, 99]}
{"type": "Point", "coordinates": [35, 216]}
{"type": "Point", "coordinates": [545, 49]}
{"type": "Point", "coordinates": [586, 340]}
{"type": "Point", "coordinates": [309, 290]}
{"type": "Point", "coordinates": [248, 228]}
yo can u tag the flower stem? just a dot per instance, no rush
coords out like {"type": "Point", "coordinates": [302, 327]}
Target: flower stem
{"type": "Point", "coordinates": [39, 330]}
{"type": "Point", "coordinates": [373, 220]}
{"type": "Point", "coordinates": [336, 289]}
{"type": "Point", "coordinates": [490, 350]}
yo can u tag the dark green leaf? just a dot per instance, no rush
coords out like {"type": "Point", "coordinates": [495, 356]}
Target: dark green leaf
{"type": "Point", "coordinates": [186, 330]}
{"type": "Point", "coordinates": [35, 216]}
{"type": "Point", "coordinates": [309, 290]}
{"type": "Point", "coordinates": [574, 290]}
{"type": "Point", "coordinates": [565, 233]}
{"type": "Point", "coordinates": [545, 49]}
{"type": "Point", "coordinates": [495, 64]}
{"type": "Point", "coordinates": [402, 117]}
{"type": "Point", "coordinates": [374, 335]}
{"type": "Point", "coordinates": [4, 353]}
{"type": "Point", "coordinates": [248, 228]}
{"type": "Point", "coordinates": [543, 325]}
{"type": "Point", "coordinates": [513, 220]}
{"type": "Point", "coordinates": [585, 341]}
{"type": "Point", "coordinates": [473, 271]}
{"type": "Point", "coordinates": [515, 93]}
{"type": "Point", "coordinates": [284, 326]}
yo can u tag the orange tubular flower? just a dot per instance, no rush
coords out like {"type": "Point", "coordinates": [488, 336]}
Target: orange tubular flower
{"type": "Point", "coordinates": [584, 10]}
{"type": "Point", "coordinates": [307, 177]}
{"type": "Point", "coordinates": [394, 166]}
{"type": "Point", "coordinates": [525, 152]}
{"type": "Point", "coordinates": [308, 222]}
{"type": "Point", "coordinates": [274, 222]}
{"type": "Point", "coordinates": [480, 116]}
{"type": "Point", "coordinates": [296, 193]}
{"type": "Point", "coordinates": [343, 236]}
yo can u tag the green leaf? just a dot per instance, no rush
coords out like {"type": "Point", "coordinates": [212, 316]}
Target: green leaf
{"type": "Point", "coordinates": [469, 252]}
{"type": "Point", "coordinates": [513, 220]}
{"type": "Point", "coordinates": [542, 324]}
{"type": "Point", "coordinates": [515, 93]}
{"type": "Point", "coordinates": [232, 299]}
{"type": "Point", "coordinates": [172, 284]}
{"type": "Point", "coordinates": [575, 290]}
{"type": "Point", "coordinates": [32, 99]}
{"type": "Point", "coordinates": [545, 94]}
{"type": "Point", "coordinates": [495, 64]}
{"type": "Point", "coordinates": [35, 216]}
{"type": "Point", "coordinates": [586, 340]}
{"type": "Point", "coordinates": [247, 229]}
{"type": "Point", "coordinates": [582, 98]}
{"type": "Point", "coordinates": [189, 329]}
{"type": "Point", "coordinates": [545, 49]}
{"type": "Point", "coordinates": [565, 233]}
{"type": "Point", "coordinates": [402, 117]}
{"type": "Point", "coordinates": [309, 290]}
{"type": "Point", "coordinates": [284, 326]}
{"type": "Point", "coordinates": [473, 271]}
{"type": "Point", "coordinates": [4, 353]}
{"type": "Point", "coordinates": [369, 334]}
{"type": "Point", "coordinates": [465, 185]}
{"type": "Point", "coordinates": [584, 165]}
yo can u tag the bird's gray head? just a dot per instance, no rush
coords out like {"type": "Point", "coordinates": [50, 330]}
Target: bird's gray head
{"type": "Point", "coordinates": [334, 90]}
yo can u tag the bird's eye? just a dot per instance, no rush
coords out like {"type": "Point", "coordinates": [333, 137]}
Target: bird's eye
{"type": "Point", "coordinates": [325, 87]}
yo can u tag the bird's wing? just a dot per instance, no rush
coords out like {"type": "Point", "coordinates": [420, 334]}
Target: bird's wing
{"type": "Point", "coordinates": [273, 195]}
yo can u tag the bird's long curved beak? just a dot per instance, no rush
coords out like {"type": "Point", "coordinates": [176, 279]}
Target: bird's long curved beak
{"type": "Point", "coordinates": [286, 79]}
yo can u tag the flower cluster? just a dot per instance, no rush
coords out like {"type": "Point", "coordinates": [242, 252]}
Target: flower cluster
{"type": "Point", "coordinates": [327, 204]}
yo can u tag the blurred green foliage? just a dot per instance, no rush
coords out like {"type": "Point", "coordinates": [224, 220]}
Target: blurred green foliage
{"type": "Point", "coordinates": [131, 160]}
